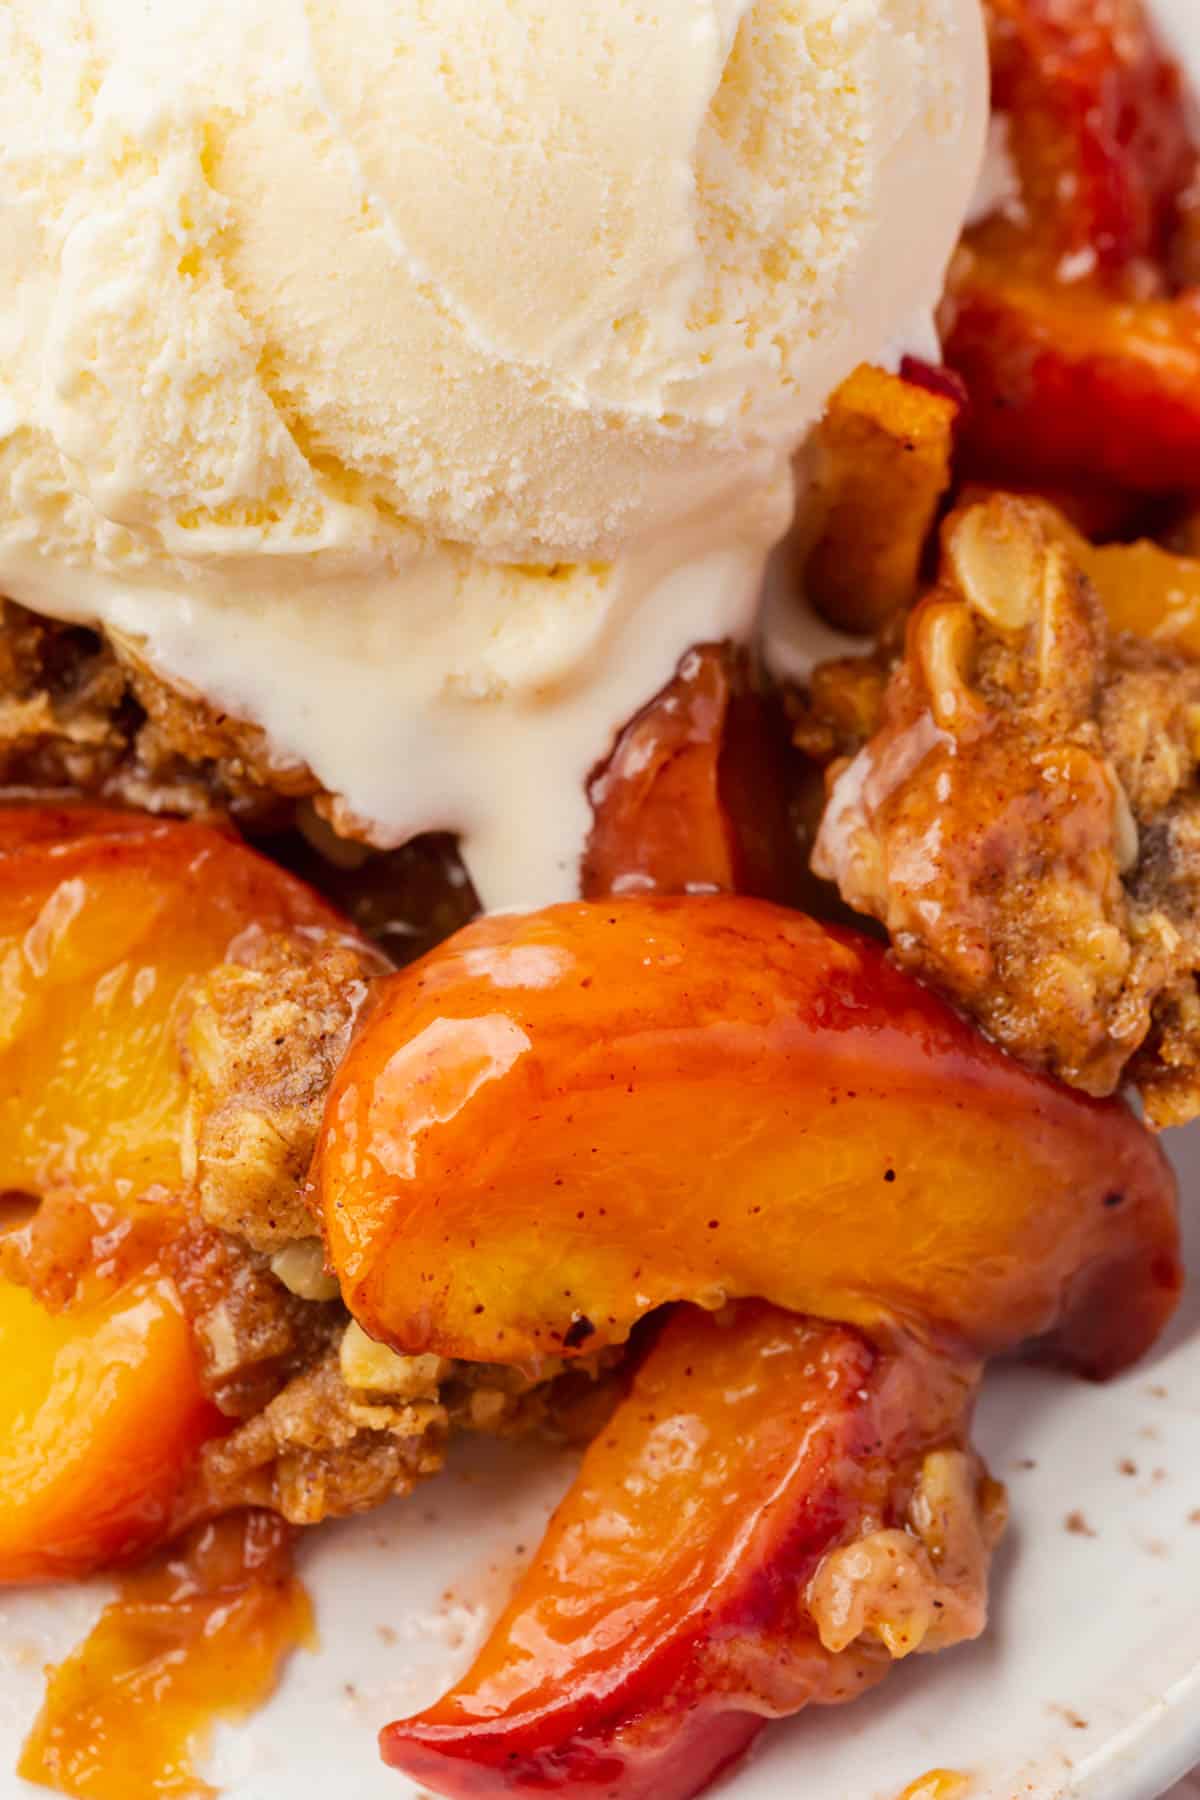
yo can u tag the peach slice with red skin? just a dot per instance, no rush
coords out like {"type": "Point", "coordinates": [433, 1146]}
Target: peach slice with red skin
{"type": "Point", "coordinates": [558, 1122]}
{"type": "Point", "coordinates": [675, 1603]}
{"type": "Point", "coordinates": [1099, 125]}
{"type": "Point", "coordinates": [1068, 382]}
{"type": "Point", "coordinates": [1070, 317]}
{"type": "Point", "coordinates": [671, 1610]}
{"type": "Point", "coordinates": [692, 799]}
{"type": "Point", "coordinates": [104, 918]}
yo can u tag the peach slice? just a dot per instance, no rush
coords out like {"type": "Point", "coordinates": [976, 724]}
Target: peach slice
{"type": "Point", "coordinates": [556, 1123]}
{"type": "Point", "coordinates": [1069, 317]}
{"type": "Point", "coordinates": [693, 1583]}
{"type": "Point", "coordinates": [100, 1409]}
{"type": "Point", "coordinates": [1099, 126]}
{"type": "Point", "coordinates": [1069, 382]}
{"type": "Point", "coordinates": [104, 917]}
{"type": "Point", "coordinates": [692, 798]}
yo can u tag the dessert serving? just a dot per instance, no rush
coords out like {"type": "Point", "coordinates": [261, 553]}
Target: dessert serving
{"type": "Point", "coordinates": [468, 965]}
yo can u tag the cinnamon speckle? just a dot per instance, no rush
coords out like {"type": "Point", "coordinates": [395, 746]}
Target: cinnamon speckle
{"type": "Point", "coordinates": [578, 1332]}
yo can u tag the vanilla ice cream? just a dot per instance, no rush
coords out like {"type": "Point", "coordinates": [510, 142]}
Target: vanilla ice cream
{"type": "Point", "coordinates": [418, 378]}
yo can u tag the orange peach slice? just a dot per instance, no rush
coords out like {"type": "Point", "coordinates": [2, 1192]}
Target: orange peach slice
{"type": "Point", "coordinates": [1099, 123]}
{"type": "Point", "coordinates": [682, 1595]}
{"type": "Point", "coordinates": [100, 1408]}
{"type": "Point", "coordinates": [693, 797]}
{"type": "Point", "coordinates": [103, 918]}
{"type": "Point", "coordinates": [556, 1123]}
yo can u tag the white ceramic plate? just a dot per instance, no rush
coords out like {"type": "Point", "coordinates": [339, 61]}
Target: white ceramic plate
{"type": "Point", "coordinates": [1087, 1686]}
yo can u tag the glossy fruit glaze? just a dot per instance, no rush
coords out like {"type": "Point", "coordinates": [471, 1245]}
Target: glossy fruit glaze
{"type": "Point", "coordinates": [100, 1410]}
{"type": "Point", "coordinates": [199, 1636]}
{"type": "Point", "coordinates": [557, 1122]}
{"type": "Point", "coordinates": [665, 1617]}
{"type": "Point", "coordinates": [693, 797]}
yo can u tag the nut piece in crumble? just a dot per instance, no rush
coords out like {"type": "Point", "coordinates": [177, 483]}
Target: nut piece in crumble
{"type": "Point", "coordinates": [1024, 817]}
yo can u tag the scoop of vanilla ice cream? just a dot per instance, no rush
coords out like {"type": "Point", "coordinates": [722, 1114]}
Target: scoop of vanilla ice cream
{"type": "Point", "coordinates": [418, 377]}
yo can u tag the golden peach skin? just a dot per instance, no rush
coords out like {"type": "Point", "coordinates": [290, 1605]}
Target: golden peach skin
{"type": "Point", "coordinates": [557, 1122]}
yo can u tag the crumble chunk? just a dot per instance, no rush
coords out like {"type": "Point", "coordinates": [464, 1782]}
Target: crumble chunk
{"type": "Point", "coordinates": [330, 1422]}
{"type": "Point", "coordinates": [313, 1453]}
{"type": "Point", "coordinates": [252, 1335]}
{"type": "Point", "coordinates": [923, 1585]}
{"type": "Point", "coordinates": [326, 1446]}
{"type": "Point", "coordinates": [81, 712]}
{"type": "Point", "coordinates": [1024, 816]}
{"type": "Point", "coordinates": [84, 716]}
{"type": "Point", "coordinates": [260, 1039]}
